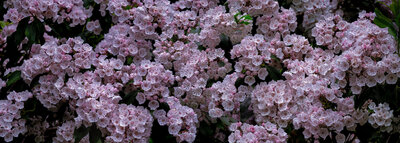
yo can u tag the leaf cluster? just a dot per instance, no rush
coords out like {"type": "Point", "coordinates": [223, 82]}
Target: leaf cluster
{"type": "Point", "coordinates": [390, 20]}
{"type": "Point", "coordinates": [243, 19]}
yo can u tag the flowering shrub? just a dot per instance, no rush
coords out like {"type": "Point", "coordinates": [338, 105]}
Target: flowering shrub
{"type": "Point", "coordinates": [243, 71]}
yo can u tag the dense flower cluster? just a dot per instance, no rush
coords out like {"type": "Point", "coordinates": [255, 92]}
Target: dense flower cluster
{"type": "Point", "coordinates": [165, 62]}
{"type": "Point", "coordinates": [58, 11]}
{"type": "Point", "coordinates": [315, 10]}
{"type": "Point", "coordinates": [181, 120]}
{"type": "Point", "coordinates": [381, 116]}
{"type": "Point", "coordinates": [11, 123]}
{"type": "Point", "coordinates": [267, 132]}
{"type": "Point", "coordinates": [129, 123]}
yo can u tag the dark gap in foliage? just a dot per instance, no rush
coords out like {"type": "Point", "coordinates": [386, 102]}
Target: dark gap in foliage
{"type": "Point", "coordinates": [159, 134]}
{"type": "Point", "coordinates": [254, 27]}
{"type": "Point", "coordinates": [173, 1]}
{"type": "Point", "coordinates": [226, 45]}
{"type": "Point", "coordinates": [2, 10]}
{"type": "Point", "coordinates": [284, 3]}
{"type": "Point", "coordinates": [351, 8]}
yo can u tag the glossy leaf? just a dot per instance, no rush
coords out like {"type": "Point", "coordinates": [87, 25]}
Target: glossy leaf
{"type": "Point", "coordinates": [79, 133]}
{"type": "Point", "coordinates": [381, 20]}
{"type": "Point", "coordinates": [95, 135]}
{"type": "Point", "coordinates": [13, 78]}
{"type": "Point", "coordinates": [88, 3]}
{"type": "Point", "coordinates": [246, 17]}
{"type": "Point", "coordinates": [274, 73]}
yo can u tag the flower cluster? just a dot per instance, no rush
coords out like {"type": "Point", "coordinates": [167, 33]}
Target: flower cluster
{"type": "Point", "coordinates": [71, 11]}
{"type": "Point", "coordinates": [187, 62]}
{"type": "Point", "coordinates": [65, 133]}
{"type": "Point", "coordinates": [254, 7]}
{"type": "Point", "coordinates": [381, 116]}
{"type": "Point", "coordinates": [267, 132]}
{"type": "Point", "coordinates": [11, 123]}
{"type": "Point", "coordinates": [224, 94]}
{"type": "Point", "coordinates": [315, 10]}
{"type": "Point", "coordinates": [278, 23]}
{"type": "Point", "coordinates": [59, 57]}
{"type": "Point", "coordinates": [128, 123]}
{"type": "Point", "coordinates": [225, 23]}
{"type": "Point", "coordinates": [181, 120]}
{"type": "Point", "coordinates": [94, 26]}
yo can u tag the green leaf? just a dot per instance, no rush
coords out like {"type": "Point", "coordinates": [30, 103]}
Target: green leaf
{"type": "Point", "coordinates": [129, 98]}
{"type": "Point", "coordinates": [30, 33]}
{"type": "Point", "coordinates": [245, 22]}
{"type": "Point", "coordinates": [246, 17]}
{"type": "Point", "coordinates": [79, 133]}
{"type": "Point", "coordinates": [128, 7]}
{"type": "Point", "coordinates": [129, 60]}
{"type": "Point", "coordinates": [382, 23]}
{"type": "Point", "coordinates": [226, 3]}
{"type": "Point", "coordinates": [174, 38]}
{"type": "Point", "coordinates": [382, 19]}
{"type": "Point", "coordinates": [274, 73]}
{"type": "Point", "coordinates": [4, 24]}
{"type": "Point", "coordinates": [245, 113]}
{"type": "Point", "coordinates": [393, 32]}
{"type": "Point", "coordinates": [394, 7]}
{"type": "Point", "coordinates": [275, 58]}
{"type": "Point", "coordinates": [236, 15]}
{"type": "Point", "coordinates": [95, 135]}
{"type": "Point", "coordinates": [397, 20]}
{"type": "Point", "coordinates": [210, 82]}
{"type": "Point", "coordinates": [13, 78]}
{"type": "Point", "coordinates": [221, 63]}
{"type": "Point", "coordinates": [225, 121]}
{"type": "Point", "coordinates": [195, 30]}
{"type": "Point", "coordinates": [34, 32]}
{"type": "Point", "coordinates": [205, 129]}
{"type": "Point", "coordinates": [88, 3]}
{"type": "Point", "coordinates": [19, 35]}
{"type": "Point", "coordinates": [201, 48]}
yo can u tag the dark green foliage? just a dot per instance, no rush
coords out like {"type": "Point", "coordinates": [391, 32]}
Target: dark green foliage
{"type": "Point", "coordinates": [79, 133]}
{"type": "Point", "coordinates": [389, 19]}
{"type": "Point", "coordinates": [14, 83]}
{"type": "Point", "coordinates": [380, 94]}
{"type": "Point", "coordinates": [88, 3]}
{"type": "Point", "coordinates": [326, 104]}
{"type": "Point", "coordinates": [245, 113]}
{"type": "Point", "coordinates": [93, 131]}
{"type": "Point", "coordinates": [59, 30]}
{"type": "Point", "coordinates": [129, 60]}
{"type": "Point", "coordinates": [129, 98]}
{"type": "Point", "coordinates": [95, 135]}
{"type": "Point", "coordinates": [295, 136]}
{"type": "Point", "coordinates": [13, 77]}
{"type": "Point", "coordinates": [206, 133]}
{"type": "Point", "coordinates": [33, 30]}
{"type": "Point", "coordinates": [284, 3]}
{"type": "Point", "coordinates": [274, 73]}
